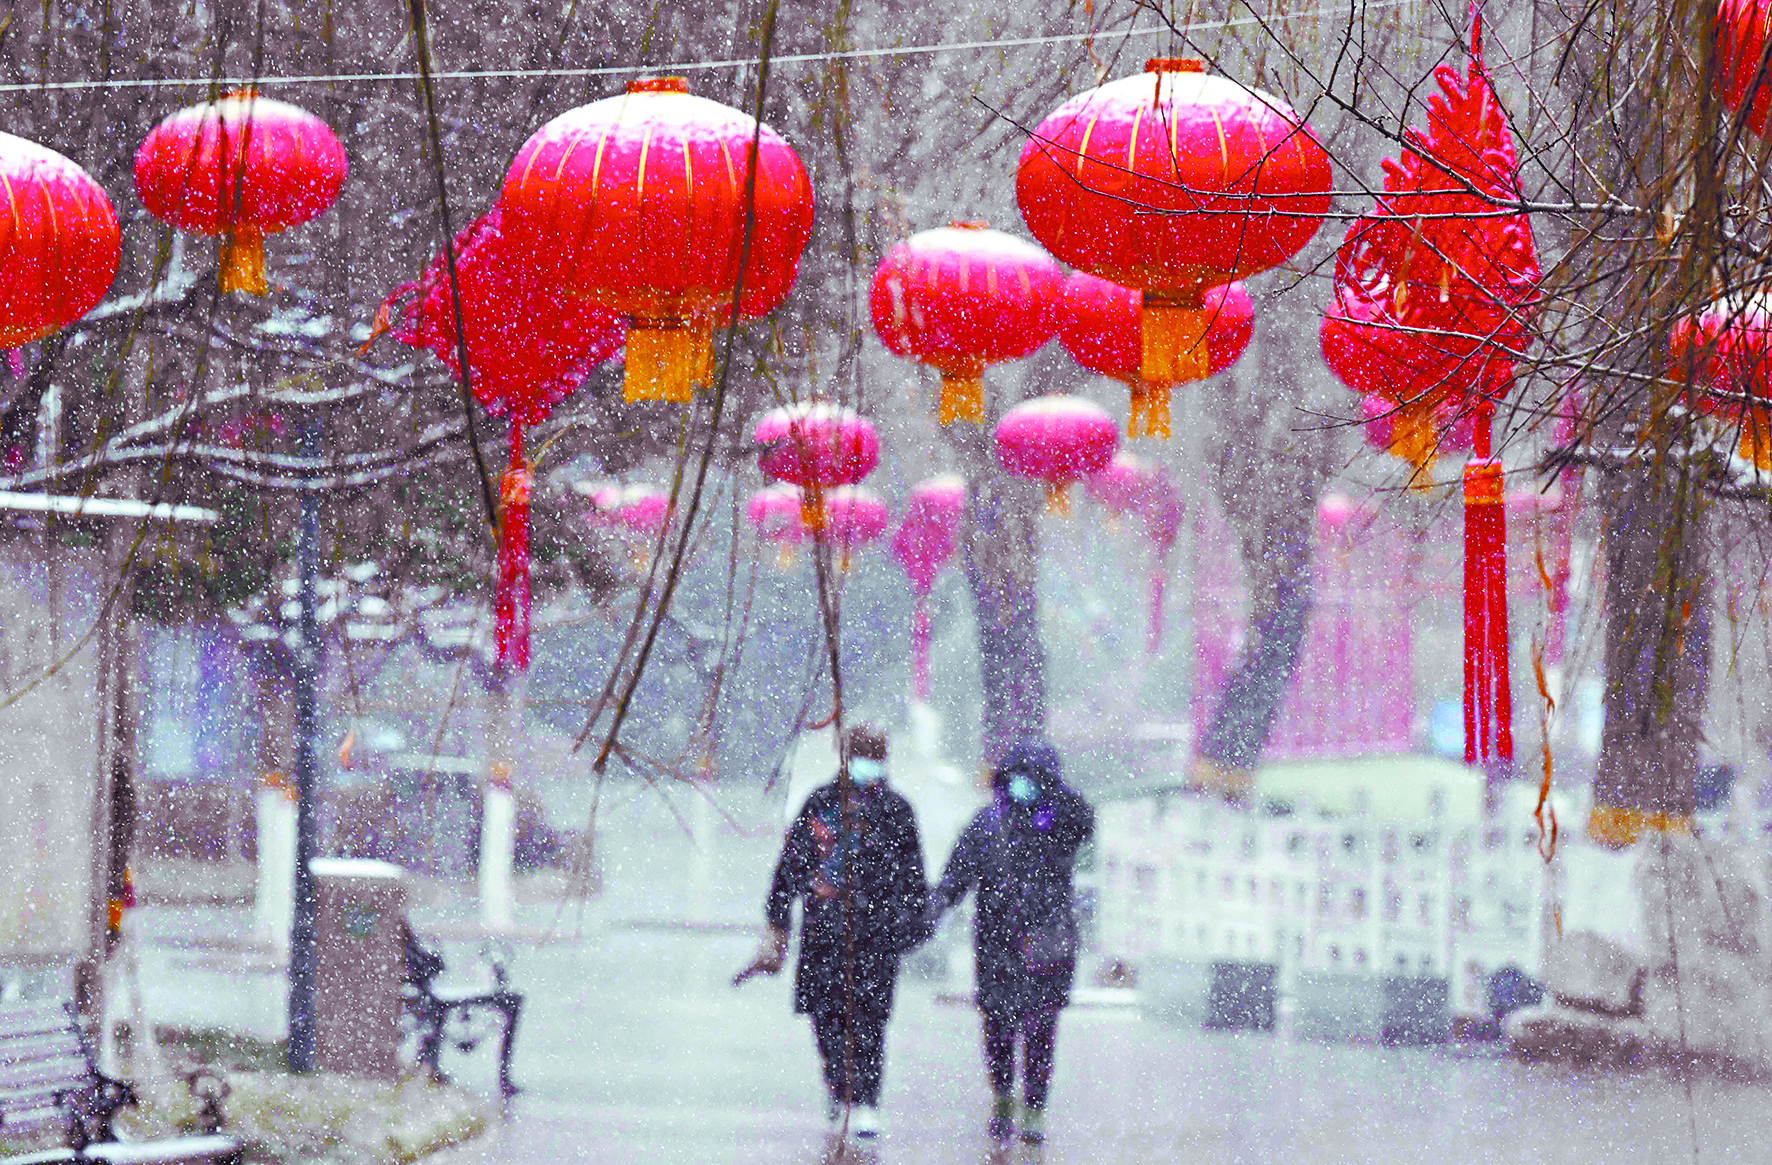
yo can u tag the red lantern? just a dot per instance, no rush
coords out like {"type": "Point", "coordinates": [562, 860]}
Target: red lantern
{"type": "Point", "coordinates": [1172, 182]}
{"type": "Point", "coordinates": [1057, 439]}
{"type": "Point", "coordinates": [638, 203]}
{"type": "Point", "coordinates": [1102, 327]}
{"type": "Point", "coordinates": [1433, 296]}
{"type": "Point", "coordinates": [1728, 346]}
{"type": "Point", "coordinates": [854, 518]}
{"type": "Point", "coordinates": [816, 445]}
{"type": "Point", "coordinates": [242, 168]}
{"type": "Point", "coordinates": [923, 542]}
{"type": "Point", "coordinates": [774, 512]}
{"type": "Point", "coordinates": [528, 347]}
{"type": "Point", "coordinates": [1417, 435]}
{"type": "Point", "coordinates": [59, 244]}
{"type": "Point", "coordinates": [962, 297]}
{"type": "Point", "coordinates": [1743, 27]}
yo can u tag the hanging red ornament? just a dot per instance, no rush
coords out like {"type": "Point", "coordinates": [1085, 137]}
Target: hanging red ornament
{"type": "Point", "coordinates": [1102, 327]}
{"type": "Point", "coordinates": [1058, 440]}
{"type": "Point", "coordinates": [1727, 349]}
{"type": "Point", "coordinates": [816, 445]}
{"type": "Point", "coordinates": [639, 204]}
{"type": "Point", "coordinates": [1743, 28]}
{"type": "Point", "coordinates": [59, 243]}
{"type": "Point", "coordinates": [963, 297]}
{"type": "Point", "coordinates": [1172, 182]}
{"type": "Point", "coordinates": [1434, 291]}
{"type": "Point", "coordinates": [240, 168]}
{"type": "Point", "coordinates": [528, 345]}
{"type": "Point", "coordinates": [926, 538]}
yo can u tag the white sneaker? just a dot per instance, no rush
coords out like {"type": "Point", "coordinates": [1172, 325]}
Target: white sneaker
{"type": "Point", "coordinates": [864, 1121]}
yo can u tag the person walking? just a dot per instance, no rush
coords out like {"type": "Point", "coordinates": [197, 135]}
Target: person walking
{"type": "Point", "coordinates": [1018, 854]}
{"type": "Point", "coordinates": [855, 860]}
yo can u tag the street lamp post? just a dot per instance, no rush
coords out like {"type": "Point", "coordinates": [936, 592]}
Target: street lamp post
{"type": "Point", "coordinates": [307, 681]}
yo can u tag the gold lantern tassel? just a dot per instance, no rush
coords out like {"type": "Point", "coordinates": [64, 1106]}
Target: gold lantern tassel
{"type": "Point", "coordinates": [243, 261]}
{"type": "Point", "coordinates": [1756, 443]}
{"type": "Point", "coordinates": [1058, 499]}
{"type": "Point", "coordinates": [1174, 350]}
{"type": "Point", "coordinates": [667, 359]}
{"type": "Point", "coordinates": [1415, 440]}
{"type": "Point", "coordinates": [962, 395]}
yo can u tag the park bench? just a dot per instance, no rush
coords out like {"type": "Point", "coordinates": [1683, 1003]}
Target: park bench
{"type": "Point", "coordinates": [435, 1015]}
{"type": "Point", "coordinates": [50, 1085]}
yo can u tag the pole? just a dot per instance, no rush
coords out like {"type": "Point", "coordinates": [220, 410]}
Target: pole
{"type": "Point", "coordinates": [307, 676]}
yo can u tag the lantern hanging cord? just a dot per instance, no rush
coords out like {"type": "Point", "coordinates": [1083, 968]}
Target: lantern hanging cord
{"type": "Point", "coordinates": [429, 77]}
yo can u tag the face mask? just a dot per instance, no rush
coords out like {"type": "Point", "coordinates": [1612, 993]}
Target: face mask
{"type": "Point", "coordinates": [1022, 789]}
{"type": "Point", "coordinates": [866, 771]}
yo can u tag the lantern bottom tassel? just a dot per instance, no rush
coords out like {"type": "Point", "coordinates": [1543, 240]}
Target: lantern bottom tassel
{"type": "Point", "coordinates": [1058, 499]}
{"type": "Point", "coordinates": [667, 359]}
{"type": "Point", "coordinates": [1148, 412]}
{"type": "Point", "coordinates": [511, 601]}
{"type": "Point", "coordinates": [1756, 443]}
{"type": "Point", "coordinates": [962, 398]}
{"type": "Point", "coordinates": [1174, 346]}
{"type": "Point", "coordinates": [1488, 704]}
{"type": "Point", "coordinates": [1415, 439]}
{"type": "Point", "coordinates": [243, 262]}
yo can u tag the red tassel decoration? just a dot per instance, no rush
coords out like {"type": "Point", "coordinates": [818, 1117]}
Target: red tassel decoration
{"type": "Point", "coordinates": [1488, 705]}
{"type": "Point", "coordinates": [1159, 585]}
{"type": "Point", "coordinates": [511, 604]}
{"type": "Point", "coordinates": [920, 647]}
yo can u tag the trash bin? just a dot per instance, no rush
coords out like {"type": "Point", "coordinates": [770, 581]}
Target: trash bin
{"type": "Point", "coordinates": [360, 951]}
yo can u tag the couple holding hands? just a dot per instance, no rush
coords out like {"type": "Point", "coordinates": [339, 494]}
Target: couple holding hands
{"type": "Point", "coordinates": [854, 859]}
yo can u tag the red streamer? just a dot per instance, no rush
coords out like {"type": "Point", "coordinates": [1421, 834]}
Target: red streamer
{"type": "Point", "coordinates": [920, 646]}
{"type": "Point", "coordinates": [1488, 704]}
{"type": "Point", "coordinates": [511, 604]}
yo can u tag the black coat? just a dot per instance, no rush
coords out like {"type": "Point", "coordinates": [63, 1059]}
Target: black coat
{"type": "Point", "coordinates": [860, 875]}
{"type": "Point", "coordinates": [1019, 860]}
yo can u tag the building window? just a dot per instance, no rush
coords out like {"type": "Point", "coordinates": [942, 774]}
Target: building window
{"type": "Point", "coordinates": [1357, 902]}
{"type": "Point", "coordinates": [1349, 843]}
{"type": "Point", "coordinates": [1228, 885]}
{"type": "Point", "coordinates": [1393, 904]}
{"type": "Point", "coordinates": [1427, 910]}
{"type": "Point", "coordinates": [1359, 956]}
{"type": "Point", "coordinates": [1324, 898]}
{"type": "Point", "coordinates": [1334, 954]}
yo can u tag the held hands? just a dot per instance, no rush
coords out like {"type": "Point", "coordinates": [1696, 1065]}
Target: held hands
{"type": "Point", "coordinates": [770, 955]}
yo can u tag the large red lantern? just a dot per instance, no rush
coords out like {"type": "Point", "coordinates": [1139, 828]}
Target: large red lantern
{"type": "Point", "coordinates": [924, 540]}
{"type": "Point", "coordinates": [1728, 348]}
{"type": "Point", "coordinates": [1102, 327]}
{"type": "Point", "coordinates": [1434, 292]}
{"type": "Point", "coordinates": [242, 168]}
{"type": "Point", "coordinates": [1058, 440]}
{"type": "Point", "coordinates": [960, 298]}
{"type": "Point", "coordinates": [59, 244]}
{"type": "Point", "coordinates": [639, 203]}
{"type": "Point", "coordinates": [1171, 182]}
{"type": "Point", "coordinates": [528, 347]}
{"type": "Point", "coordinates": [816, 445]}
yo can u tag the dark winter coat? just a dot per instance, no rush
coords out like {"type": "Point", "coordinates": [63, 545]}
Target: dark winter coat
{"type": "Point", "coordinates": [861, 878]}
{"type": "Point", "coordinates": [1019, 860]}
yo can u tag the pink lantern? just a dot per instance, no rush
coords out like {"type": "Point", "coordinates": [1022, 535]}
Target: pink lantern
{"type": "Point", "coordinates": [924, 541]}
{"type": "Point", "coordinates": [1057, 439]}
{"type": "Point", "coordinates": [774, 512]}
{"type": "Point", "coordinates": [1119, 486]}
{"type": "Point", "coordinates": [604, 498]}
{"type": "Point", "coordinates": [854, 517]}
{"type": "Point", "coordinates": [644, 509]}
{"type": "Point", "coordinates": [816, 445]}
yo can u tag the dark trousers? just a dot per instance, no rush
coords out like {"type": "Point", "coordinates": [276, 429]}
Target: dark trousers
{"type": "Point", "coordinates": [854, 1054]}
{"type": "Point", "coordinates": [1039, 1033]}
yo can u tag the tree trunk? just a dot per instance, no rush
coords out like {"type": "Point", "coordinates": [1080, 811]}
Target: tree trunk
{"type": "Point", "coordinates": [999, 548]}
{"type": "Point", "coordinates": [1658, 627]}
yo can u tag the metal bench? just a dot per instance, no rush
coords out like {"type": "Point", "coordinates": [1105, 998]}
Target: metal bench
{"type": "Point", "coordinates": [433, 1016]}
{"type": "Point", "coordinates": [50, 1085]}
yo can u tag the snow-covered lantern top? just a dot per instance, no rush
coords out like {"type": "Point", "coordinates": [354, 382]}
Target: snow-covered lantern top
{"type": "Point", "coordinates": [961, 297]}
{"type": "Point", "coordinates": [1058, 440]}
